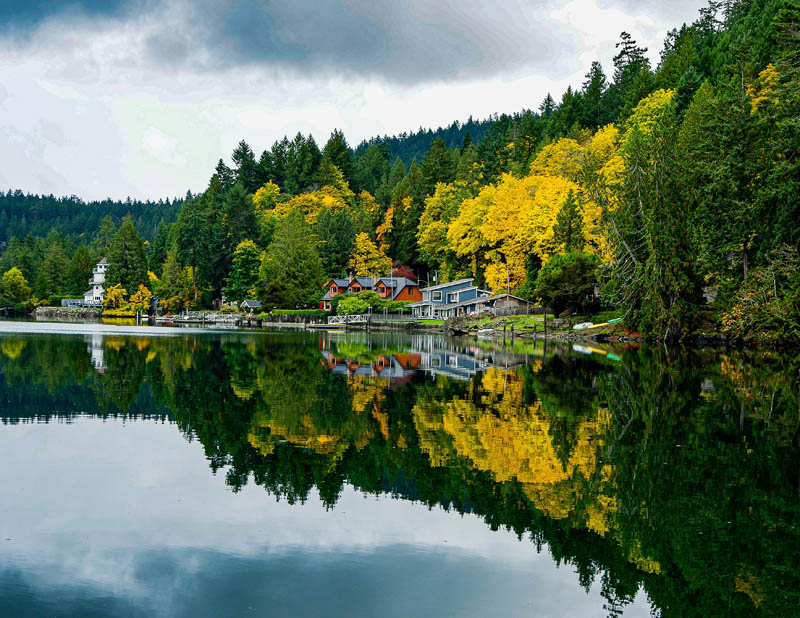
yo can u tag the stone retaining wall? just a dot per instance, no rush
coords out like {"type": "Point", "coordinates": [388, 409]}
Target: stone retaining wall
{"type": "Point", "coordinates": [67, 312]}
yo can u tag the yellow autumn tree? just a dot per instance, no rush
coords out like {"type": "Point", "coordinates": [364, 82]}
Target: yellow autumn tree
{"type": "Point", "coordinates": [519, 222]}
{"type": "Point", "coordinates": [440, 209]}
{"type": "Point", "coordinates": [367, 259]}
{"type": "Point", "coordinates": [464, 234]}
{"type": "Point", "coordinates": [115, 297]}
{"type": "Point", "coordinates": [140, 300]}
{"type": "Point", "coordinates": [384, 229]}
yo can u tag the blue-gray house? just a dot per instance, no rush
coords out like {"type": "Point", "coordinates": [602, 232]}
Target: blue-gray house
{"type": "Point", "coordinates": [447, 300]}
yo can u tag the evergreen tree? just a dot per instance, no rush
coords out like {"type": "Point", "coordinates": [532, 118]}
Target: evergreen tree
{"type": "Point", "coordinates": [127, 263]}
{"type": "Point", "coordinates": [238, 217]}
{"type": "Point", "coordinates": [337, 152]}
{"type": "Point", "coordinates": [568, 228]}
{"type": "Point", "coordinates": [291, 270]}
{"type": "Point", "coordinates": [52, 276]}
{"type": "Point", "coordinates": [336, 234]}
{"type": "Point", "coordinates": [80, 270]}
{"type": "Point", "coordinates": [193, 248]}
{"type": "Point", "coordinates": [245, 167]}
{"type": "Point", "coordinates": [244, 272]}
{"type": "Point", "coordinates": [594, 113]}
{"type": "Point", "coordinates": [158, 250]}
{"type": "Point", "coordinates": [548, 106]}
{"type": "Point", "coordinates": [104, 237]}
{"type": "Point", "coordinates": [437, 166]}
{"type": "Point", "coordinates": [224, 174]}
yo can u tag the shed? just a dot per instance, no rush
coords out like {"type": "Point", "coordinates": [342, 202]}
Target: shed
{"type": "Point", "coordinates": [507, 304]}
{"type": "Point", "coordinates": [251, 305]}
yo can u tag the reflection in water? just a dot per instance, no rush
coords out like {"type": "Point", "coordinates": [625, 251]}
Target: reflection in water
{"type": "Point", "coordinates": [672, 472]}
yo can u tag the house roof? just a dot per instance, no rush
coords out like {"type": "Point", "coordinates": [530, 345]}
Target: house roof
{"type": "Point", "coordinates": [342, 283]}
{"type": "Point", "coordinates": [397, 284]}
{"type": "Point", "coordinates": [448, 284]}
{"type": "Point", "coordinates": [103, 261]}
{"type": "Point", "coordinates": [499, 296]}
{"type": "Point", "coordinates": [364, 282]}
{"type": "Point", "coordinates": [251, 303]}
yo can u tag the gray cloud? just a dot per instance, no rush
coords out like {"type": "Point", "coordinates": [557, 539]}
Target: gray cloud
{"type": "Point", "coordinates": [404, 42]}
{"type": "Point", "coordinates": [22, 15]}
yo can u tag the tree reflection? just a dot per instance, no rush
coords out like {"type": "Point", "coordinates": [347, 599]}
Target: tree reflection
{"type": "Point", "coordinates": [672, 471]}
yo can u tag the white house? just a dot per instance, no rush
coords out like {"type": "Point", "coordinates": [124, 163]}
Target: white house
{"type": "Point", "coordinates": [94, 296]}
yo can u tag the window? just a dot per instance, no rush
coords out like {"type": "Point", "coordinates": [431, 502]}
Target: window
{"type": "Point", "coordinates": [452, 297]}
{"type": "Point", "coordinates": [334, 289]}
{"type": "Point", "coordinates": [437, 296]}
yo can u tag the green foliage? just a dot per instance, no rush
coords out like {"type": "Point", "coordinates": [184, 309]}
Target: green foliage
{"type": "Point", "coordinates": [127, 263]}
{"type": "Point", "coordinates": [568, 229]}
{"type": "Point", "coordinates": [352, 305]}
{"type": "Point", "coordinates": [291, 270]}
{"type": "Point", "coordinates": [568, 279]}
{"type": "Point", "coordinates": [15, 288]}
{"type": "Point", "coordinates": [767, 306]}
{"type": "Point", "coordinates": [80, 270]}
{"type": "Point", "coordinates": [336, 234]}
{"type": "Point", "coordinates": [244, 273]}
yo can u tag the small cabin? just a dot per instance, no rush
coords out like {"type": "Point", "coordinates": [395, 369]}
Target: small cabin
{"type": "Point", "coordinates": [251, 306]}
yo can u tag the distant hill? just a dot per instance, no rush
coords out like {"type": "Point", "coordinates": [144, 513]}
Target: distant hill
{"type": "Point", "coordinates": [22, 214]}
{"type": "Point", "coordinates": [410, 146]}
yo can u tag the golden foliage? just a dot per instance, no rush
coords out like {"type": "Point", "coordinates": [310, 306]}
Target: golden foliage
{"type": "Point", "coordinates": [12, 348]}
{"type": "Point", "coordinates": [762, 90]}
{"type": "Point", "coordinates": [367, 259]}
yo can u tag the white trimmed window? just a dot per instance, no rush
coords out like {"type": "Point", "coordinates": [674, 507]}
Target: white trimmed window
{"type": "Point", "coordinates": [437, 296]}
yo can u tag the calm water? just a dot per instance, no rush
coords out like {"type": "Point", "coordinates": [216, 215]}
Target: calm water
{"type": "Point", "coordinates": [154, 473]}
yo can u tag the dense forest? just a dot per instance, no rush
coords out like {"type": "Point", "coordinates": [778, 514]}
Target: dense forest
{"type": "Point", "coordinates": [674, 187]}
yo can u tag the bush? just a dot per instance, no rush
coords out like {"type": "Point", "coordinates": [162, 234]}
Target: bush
{"type": "Point", "coordinates": [353, 305]}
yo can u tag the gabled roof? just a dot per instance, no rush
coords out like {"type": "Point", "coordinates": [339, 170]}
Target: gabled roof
{"type": "Point", "coordinates": [448, 284]}
{"type": "Point", "coordinates": [251, 303]}
{"type": "Point", "coordinates": [103, 261]}
{"type": "Point", "coordinates": [504, 295]}
{"type": "Point", "coordinates": [341, 283]}
{"type": "Point", "coordinates": [364, 282]}
{"type": "Point", "coordinates": [397, 284]}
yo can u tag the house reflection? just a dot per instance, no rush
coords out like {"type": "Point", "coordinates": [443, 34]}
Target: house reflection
{"type": "Point", "coordinates": [398, 360]}
{"type": "Point", "coordinates": [95, 349]}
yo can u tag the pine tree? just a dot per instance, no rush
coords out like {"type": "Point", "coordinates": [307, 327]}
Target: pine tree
{"type": "Point", "coordinates": [127, 263]}
{"type": "Point", "coordinates": [336, 234]}
{"type": "Point", "coordinates": [52, 274]}
{"type": "Point", "coordinates": [594, 113]}
{"type": "Point", "coordinates": [158, 250]}
{"type": "Point", "coordinates": [338, 153]}
{"type": "Point", "coordinates": [80, 270]}
{"type": "Point", "coordinates": [568, 228]}
{"type": "Point", "coordinates": [291, 269]}
{"type": "Point", "coordinates": [245, 167]}
{"type": "Point", "coordinates": [244, 272]}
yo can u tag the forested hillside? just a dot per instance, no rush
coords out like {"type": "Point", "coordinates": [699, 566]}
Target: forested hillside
{"type": "Point", "coordinates": [669, 185]}
{"type": "Point", "coordinates": [24, 214]}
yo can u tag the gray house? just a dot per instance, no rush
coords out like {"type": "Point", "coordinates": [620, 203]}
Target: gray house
{"type": "Point", "coordinates": [448, 300]}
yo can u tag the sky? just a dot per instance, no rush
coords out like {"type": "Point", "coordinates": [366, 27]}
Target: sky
{"type": "Point", "coordinates": [141, 98]}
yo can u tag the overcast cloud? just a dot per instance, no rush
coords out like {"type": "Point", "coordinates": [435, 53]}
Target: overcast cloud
{"type": "Point", "coordinates": [141, 97]}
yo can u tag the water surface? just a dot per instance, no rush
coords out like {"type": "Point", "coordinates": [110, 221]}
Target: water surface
{"type": "Point", "coordinates": [211, 474]}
